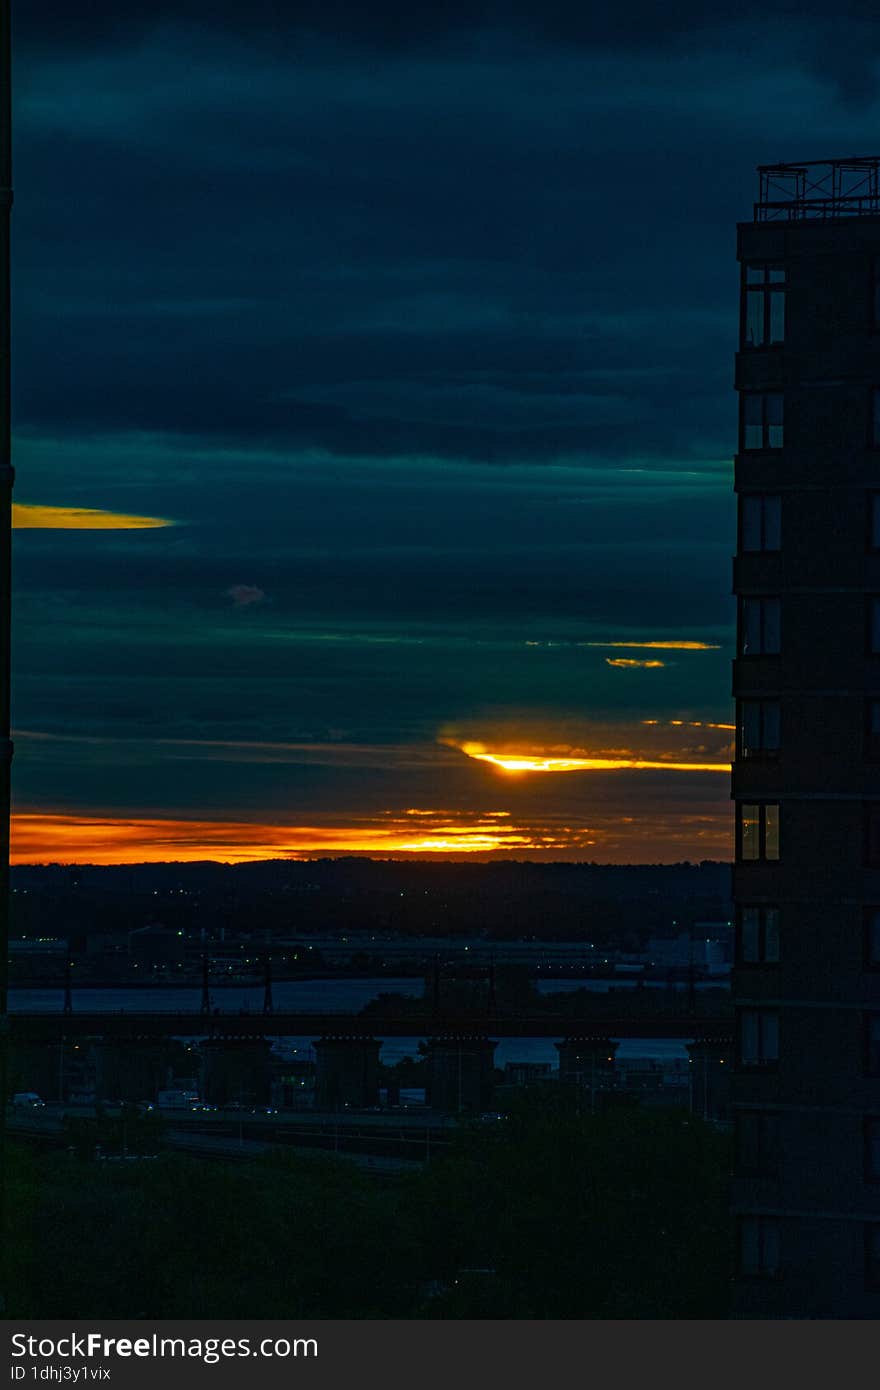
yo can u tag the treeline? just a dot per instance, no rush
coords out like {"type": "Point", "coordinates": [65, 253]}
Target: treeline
{"type": "Point", "coordinates": [610, 905]}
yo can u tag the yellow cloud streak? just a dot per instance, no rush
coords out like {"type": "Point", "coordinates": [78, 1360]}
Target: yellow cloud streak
{"type": "Point", "coordinates": [661, 646]}
{"type": "Point", "coordinates": [29, 517]}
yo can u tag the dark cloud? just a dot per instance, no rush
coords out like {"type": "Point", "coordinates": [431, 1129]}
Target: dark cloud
{"type": "Point", "coordinates": [841, 50]}
{"type": "Point", "coordinates": [393, 23]}
{"type": "Point", "coordinates": [422, 320]}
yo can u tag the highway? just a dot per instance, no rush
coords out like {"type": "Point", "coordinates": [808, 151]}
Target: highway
{"type": "Point", "coordinates": [392, 1142]}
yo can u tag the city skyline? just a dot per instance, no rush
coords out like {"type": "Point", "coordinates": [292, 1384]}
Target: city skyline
{"type": "Point", "coordinates": [373, 424]}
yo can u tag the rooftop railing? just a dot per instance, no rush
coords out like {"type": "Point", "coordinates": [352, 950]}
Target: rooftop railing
{"type": "Point", "coordinates": [819, 189]}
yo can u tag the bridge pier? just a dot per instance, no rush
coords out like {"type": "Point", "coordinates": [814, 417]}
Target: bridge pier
{"type": "Point", "coordinates": [461, 1073]}
{"type": "Point", "coordinates": [132, 1069]}
{"type": "Point", "coordinates": [587, 1063]}
{"type": "Point", "coordinates": [711, 1071]}
{"type": "Point", "coordinates": [236, 1070]}
{"type": "Point", "coordinates": [346, 1072]}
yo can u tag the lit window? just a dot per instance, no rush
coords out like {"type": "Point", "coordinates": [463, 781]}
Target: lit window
{"type": "Point", "coordinates": [874, 520]}
{"type": "Point", "coordinates": [758, 1037]}
{"type": "Point", "coordinates": [758, 831]}
{"type": "Point", "coordinates": [872, 1149]}
{"type": "Point", "coordinates": [761, 422]}
{"type": "Point", "coordinates": [758, 728]}
{"type": "Point", "coordinates": [761, 627]}
{"type": "Point", "coordinates": [760, 516]}
{"type": "Point", "coordinates": [759, 1246]}
{"type": "Point", "coordinates": [757, 1141]}
{"type": "Point", "coordinates": [764, 310]}
{"type": "Point", "coordinates": [758, 936]}
{"type": "Point", "coordinates": [872, 938]}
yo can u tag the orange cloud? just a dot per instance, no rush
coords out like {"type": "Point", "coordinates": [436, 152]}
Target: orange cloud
{"type": "Point", "coordinates": [77, 839]}
{"type": "Point", "coordinates": [29, 517]}
{"type": "Point", "coordinates": [611, 836]}
{"type": "Point", "coordinates": [628, 661]}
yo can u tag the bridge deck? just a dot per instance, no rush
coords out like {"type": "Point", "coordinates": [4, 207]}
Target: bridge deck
{"type": "Point", "coordinates": [48, 1027]}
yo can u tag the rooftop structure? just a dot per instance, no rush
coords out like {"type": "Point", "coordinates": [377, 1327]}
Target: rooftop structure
{"type": "Point", "coordinates": [819, 188]}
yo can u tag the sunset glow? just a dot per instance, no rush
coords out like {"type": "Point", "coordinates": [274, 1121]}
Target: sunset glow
{"type": "Point", "coordinates": [77, 839]}
{"type": "Point", "coordinates": [39, 838]}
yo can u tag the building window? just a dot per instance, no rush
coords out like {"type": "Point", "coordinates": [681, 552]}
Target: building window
{"type": "Point", "coordinates": [872, 1256]}
{"type": "Point", "coordinates": [872, 1148]}
{"type": "Point", "coordinates": [759, 1246]}
{"type": "Point", "coordinates": [874, 520]}
{"type": "Point", "coordinates": [872, 728]}
{"type": "Point", "coordinates": [758, 729]}
{"type": "Point", "coordinates": [872, 835]}
{"type": "Point", "coordinates": [758, 1037]}
{"type": "Point", "coordinates": [760, 628]}
{"type": "Point", "coordinates": [761, 420]}
{"type": "Point", "coordinates": [874, 625]}
{"type": "Point", "coordinates": [764, 309]}
{"type": "Point", "coordinates": [872, 1044]}
{"type": "Point", "coordinates": [758, 831]}
{"type": "Point", "coordinates": [875, 417]}
{"type": "Point", "coordinates": [757, 1141]}
{"type": "Point", "coordinates": [758, 936]}
{"type": "Point", "coordinates": [872, 938]}
{"type": "Point", "coordinates": [760, 516]}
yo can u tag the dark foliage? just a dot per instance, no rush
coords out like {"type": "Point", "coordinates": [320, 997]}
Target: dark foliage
{"type": "Point", "coordinates": [547, 1214]}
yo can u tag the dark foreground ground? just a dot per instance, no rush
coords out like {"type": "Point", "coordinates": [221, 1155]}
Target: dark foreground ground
{"type": "Point", "coordinates": [549, 1213]}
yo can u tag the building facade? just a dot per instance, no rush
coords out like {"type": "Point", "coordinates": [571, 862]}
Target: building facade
{"type": "Point", "coordinates": [806, 780]}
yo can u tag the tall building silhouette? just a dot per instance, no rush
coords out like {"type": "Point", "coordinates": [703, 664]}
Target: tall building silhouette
{"type": "Point", "coordinates": [806, 781]}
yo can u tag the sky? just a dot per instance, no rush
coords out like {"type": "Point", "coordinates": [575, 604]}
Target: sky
{"type": "Point", "coordinates": [373, 417]}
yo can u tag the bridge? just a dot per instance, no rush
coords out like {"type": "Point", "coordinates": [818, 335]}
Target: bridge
{"type": "Point", "coordinates": [55, 1027]}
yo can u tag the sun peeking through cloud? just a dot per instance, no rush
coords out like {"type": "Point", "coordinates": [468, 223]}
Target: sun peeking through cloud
{"type": "Point", "coordinates": [605, 746]}
{"type": "Point", "coordinates": [27, 516]}
{"type": "Point", "coordinates": [516, 761]}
